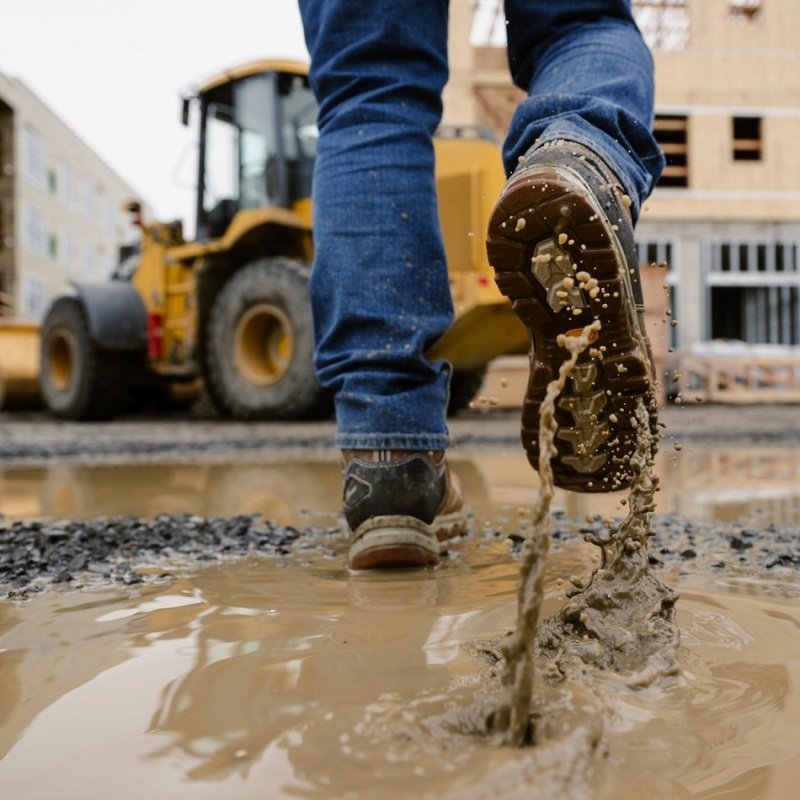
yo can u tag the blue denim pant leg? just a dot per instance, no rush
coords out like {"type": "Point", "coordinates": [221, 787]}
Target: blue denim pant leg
{"type": "Point", "coordinates": [589, 76]}
{"type": "Point", "coordinates": [379, 287]}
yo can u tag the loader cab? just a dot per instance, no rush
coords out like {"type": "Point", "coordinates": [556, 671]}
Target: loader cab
{"type": "Point", "coordinates": [258, 141]}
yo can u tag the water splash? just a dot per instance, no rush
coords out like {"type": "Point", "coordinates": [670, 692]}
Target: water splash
{"type": "Point", "coordinates": [623, 619]}
{"type": "Point", "coordinates": [620, 621]}
{"type": "Point", "coordinates": [511, 720]}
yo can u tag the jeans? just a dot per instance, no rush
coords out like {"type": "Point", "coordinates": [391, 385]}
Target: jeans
{"type": "Point", "coordinates": [379, 287]}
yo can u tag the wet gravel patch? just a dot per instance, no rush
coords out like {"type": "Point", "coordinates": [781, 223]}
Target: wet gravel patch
{"type": "Point", "coordinates": [126, 551]}
{"type": "Point", "coordinates": [706, 547]}
{"type": "Point", "coordinates": [64, 554]}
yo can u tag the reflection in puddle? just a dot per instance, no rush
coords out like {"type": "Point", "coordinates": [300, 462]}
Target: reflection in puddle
{"type": "Point", "coordinates": [279, 491]}
{"type": "Point", "coordinates": [707, 482]}
{"type": "Point", "coordinates": [294, 678]}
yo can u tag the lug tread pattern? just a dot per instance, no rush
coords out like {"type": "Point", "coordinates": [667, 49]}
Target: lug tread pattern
{"type": "Point", "coordinates": [596, 430]}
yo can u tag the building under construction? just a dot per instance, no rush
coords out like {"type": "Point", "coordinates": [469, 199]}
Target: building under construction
{"type": "Point", "coordinates": [725, 216]}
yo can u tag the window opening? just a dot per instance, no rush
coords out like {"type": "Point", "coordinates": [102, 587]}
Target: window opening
{"type": "Point", "coordinates": [299, 133]}
{"type": "Point", "coordinates": [671, 132]}
{"type": "Point", "coordinates": [754, 292]}
{"type": "Point", "coordinates": [659, 252]}
{"type": "Point", "coordinates": [34, 297]}
{"type": "Point", "coordinates": [33, 162]}
{"type": "Point", "coordinates": [488, 28]}
{"type": "Point", "coordinates": [743, 10]}
{"type": "Point", "coordinates": [747, 138]}
{"type": "Point", "coordinates": [663, 23]}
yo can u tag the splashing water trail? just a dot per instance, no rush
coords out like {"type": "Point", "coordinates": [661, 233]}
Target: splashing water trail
{"type": "Point", "coordinates": [623, 620]}
{"type": "Point", "coordinates": [620, 621]}
{"type": "Point", "coordinates": [512, 719]}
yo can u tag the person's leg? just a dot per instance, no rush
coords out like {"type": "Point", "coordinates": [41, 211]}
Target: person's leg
{"type": "Point", "coordinates": [561, 235]}
{"type": "Point", "coordinates": [379, 287]}
{"type": "Point", "coordinates": [589, 77]}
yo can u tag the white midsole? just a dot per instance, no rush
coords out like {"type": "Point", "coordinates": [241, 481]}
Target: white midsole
{"type": "Point", "coordinates": [394, 530]}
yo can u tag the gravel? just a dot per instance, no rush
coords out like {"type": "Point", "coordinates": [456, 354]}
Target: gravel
{"type": "Point", "coordinates": [36, 555]}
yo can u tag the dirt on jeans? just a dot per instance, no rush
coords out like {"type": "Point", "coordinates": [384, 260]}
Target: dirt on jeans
{"type": "Point", "coordinates": [235, 657]}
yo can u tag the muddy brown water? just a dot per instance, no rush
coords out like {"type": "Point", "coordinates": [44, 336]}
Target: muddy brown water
{"type": "Point", "coordinates": [290, 677]}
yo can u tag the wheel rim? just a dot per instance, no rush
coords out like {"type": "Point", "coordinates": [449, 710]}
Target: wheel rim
{"type": "Point", "coordinates": [61, 359]}
{"type": "Point", "coordinates": [262, 345]}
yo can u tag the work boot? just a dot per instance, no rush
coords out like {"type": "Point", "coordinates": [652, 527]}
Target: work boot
{"type": "Point", "coordinates": [401, 505]}
{"type": "Point", "coordinates": [561, 243]}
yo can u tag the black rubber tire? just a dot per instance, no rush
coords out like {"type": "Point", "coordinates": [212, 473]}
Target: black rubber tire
{"type": "Point", "coordinates": [79, 380]}
{"type": "Point", "coordinates": [280, 284]}
{"type": "Point", "coordinates": [464, 385]}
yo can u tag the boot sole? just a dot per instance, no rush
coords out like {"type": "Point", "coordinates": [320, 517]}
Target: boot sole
{"type": "Point", "coordinates": [562, 219]}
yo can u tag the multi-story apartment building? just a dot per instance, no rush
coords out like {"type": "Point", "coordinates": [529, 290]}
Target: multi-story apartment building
{"type": "Point", "coordinates": [726, 214]}
{"type": "Point", "coordinates": [61, 215]}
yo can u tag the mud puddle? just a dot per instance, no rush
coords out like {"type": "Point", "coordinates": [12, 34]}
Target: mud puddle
{"type": "Point", "coordinates": [287, 676]}
{"type": "Point", "coordinates": [293, 678]}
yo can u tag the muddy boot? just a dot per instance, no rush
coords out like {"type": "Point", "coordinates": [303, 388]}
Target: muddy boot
{"type": "Point", "coordinates": [401, 506]}
{"type": "Point", "coordinates": [561, 243]}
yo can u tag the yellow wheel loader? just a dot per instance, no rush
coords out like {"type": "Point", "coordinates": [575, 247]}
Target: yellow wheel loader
{"type": "Point", "coordinates": [231, 309]}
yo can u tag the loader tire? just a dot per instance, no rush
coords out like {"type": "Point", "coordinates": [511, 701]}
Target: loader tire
{"type": "Point", "coordinates": [260, 344]}
{"type": "Point", "coordinates": [464, 385]}
{"type": "Point", "coordinates": [79, 380]}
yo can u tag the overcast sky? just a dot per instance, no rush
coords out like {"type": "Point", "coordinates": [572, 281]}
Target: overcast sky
{"type": "Point", "coordinates": [114, 72]}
